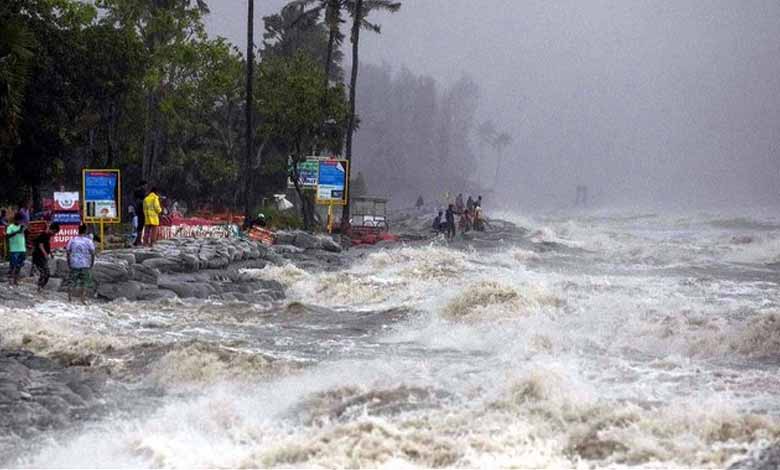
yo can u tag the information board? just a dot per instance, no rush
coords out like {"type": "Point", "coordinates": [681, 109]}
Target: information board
{"type": "Point", "coordinates": [307, 173]}
{"type": "Point", "coordinates": [332, 181]}
{"type": "Point", "coordinates": [102, 196]}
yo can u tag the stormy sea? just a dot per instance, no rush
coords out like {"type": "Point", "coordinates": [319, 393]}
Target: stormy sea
{"type": "Point", "coordinates": [606, 339]}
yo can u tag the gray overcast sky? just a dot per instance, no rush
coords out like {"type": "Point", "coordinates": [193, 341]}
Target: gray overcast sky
{"type": "Point", "coordinates": [652, 100]}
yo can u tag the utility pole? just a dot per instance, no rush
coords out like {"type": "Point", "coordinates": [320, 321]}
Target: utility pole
{"type": "Point", "coordinates": [250, 125]}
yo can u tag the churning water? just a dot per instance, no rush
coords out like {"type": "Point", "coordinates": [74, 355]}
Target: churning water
{"type": "Point", "coordinates": [609, 341]}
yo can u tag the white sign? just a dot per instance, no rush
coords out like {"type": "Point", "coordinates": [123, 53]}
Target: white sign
{"type": "Point", "coordinates": [66, 201]}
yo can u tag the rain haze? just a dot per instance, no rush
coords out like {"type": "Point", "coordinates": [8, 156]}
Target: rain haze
{"type": "Point", "coordinates": [671, 103]}
{"type": "Point", "coordinates": [554, 241]}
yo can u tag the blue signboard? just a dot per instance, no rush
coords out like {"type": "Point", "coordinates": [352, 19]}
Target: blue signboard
{"type": "Point", "coordinates": [332, 182]}
{"type": "Point", "coordinates": [100, 186]}
{"type": "Point", "coordinates": [101, 196]}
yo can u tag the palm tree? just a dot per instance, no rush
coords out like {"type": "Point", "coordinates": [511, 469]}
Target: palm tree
{"type": "Point", "coordinates": [501, 142]}
{"type": "Point", "coordinates": [359, 9]}
{"type": "Point", "coordinates": [16, 44]}
{"type": "Point", "coordinates": [332, 10]}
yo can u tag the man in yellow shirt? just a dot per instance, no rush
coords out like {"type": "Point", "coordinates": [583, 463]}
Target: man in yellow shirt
{"type": "Point", "coordinates": [152, 211]}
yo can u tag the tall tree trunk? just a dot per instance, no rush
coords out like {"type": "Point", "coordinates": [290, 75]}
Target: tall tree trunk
{"type": "Point", "coordinates": [250, 127]}
{"type": "Point", "coordinates": [356, 20]}
{"type": "Point", "coordinates": [332, 17]}
{"type": "Point", "coordinates": [150, 135]}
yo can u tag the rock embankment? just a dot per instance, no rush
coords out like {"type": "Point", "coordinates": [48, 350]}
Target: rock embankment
{"type": "Point", "coordinates": [198, 268]}
{"type": "Point", "coordinates": [38, 395]}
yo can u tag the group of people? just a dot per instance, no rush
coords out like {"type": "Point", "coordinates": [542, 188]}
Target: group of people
{"type": "Point", "coordinates": [470, 217]}
{"type": "Point", "coordinates": [80, 254]}
{"type": "Point", "coordinates": [145, 212]}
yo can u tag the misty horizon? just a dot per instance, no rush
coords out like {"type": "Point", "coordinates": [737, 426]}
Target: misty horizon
{"type": "Point", "coordinates": [648, 103]}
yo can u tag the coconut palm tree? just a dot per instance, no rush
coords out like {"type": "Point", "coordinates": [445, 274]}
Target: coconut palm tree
{"type": "Point", "coordinates": [332, 10]}
{"type": "Point", "coordinates": [360, 9]}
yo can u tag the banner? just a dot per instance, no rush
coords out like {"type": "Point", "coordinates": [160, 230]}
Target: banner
{"type": "Point", "coordinates": [102, 196]}
{"type": "Point", "coordinates": [66, 201]}
{"type": "Point", "coordinates": [332, 181]}
{"type": "Point", "coordinates": [66, 233]}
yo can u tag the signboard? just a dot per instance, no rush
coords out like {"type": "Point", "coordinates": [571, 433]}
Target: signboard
{"type": "Point", "coordinates": [307, 173]}
{"type": "Point", "coordinates": [332, 181]}
{"type": "Point", "coordinates": [66, 218]}
{"type": "Point", "coordinates": [66, 201]}
{"type": "Point", "coordinates": [102, 196]}
{"type": "Point", "coordinates": [61, 238]}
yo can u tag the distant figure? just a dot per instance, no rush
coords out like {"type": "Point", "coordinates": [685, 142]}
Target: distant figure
{"type": "Point", "coordinates": [138, 201]}
{"type": "Point", "coordinates": [42, 253]}
{"type": "Point", "coordinates": [437, 224]}
{"type": "Point", "coordinates": [479, 222]}
{"type": "Point", "coordinates": [24, 211]}
{"type": "Point", "coordinates": [81, 258]}
{"type": "Point", "coordinates": [582, 195]}
{"type": "Point", "coordinates": [465, 221]}
{"type": "Point", "coordinates": [17, 247]}
{"type": "Point", "coordinates": [459, 205]}
{"type": "Point", "coordinates": [420, 203]}
{"type": "Point", "coordinates": [470, 203]}
{"type": "Point", "coordinates": [133, 213]}
{"type": "Point", "coordinates": [3, 218]}
{"type": "Point", "coordinates": [479, 202]}
{"type": "Point", "coordinates": [152, 211]}
{"type": "Point", "coordinates": [450, 216]}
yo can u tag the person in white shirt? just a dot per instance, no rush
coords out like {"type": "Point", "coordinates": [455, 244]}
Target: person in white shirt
{"type": "Point", "coordinates": [81, 258]}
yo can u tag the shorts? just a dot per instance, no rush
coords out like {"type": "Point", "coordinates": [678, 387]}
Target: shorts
{"type": "Point", "coordinates": [17, 260]}
{"type": "Point", "coordinates": [81, 278]}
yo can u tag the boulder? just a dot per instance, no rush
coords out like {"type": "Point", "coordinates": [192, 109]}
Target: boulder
{"type": "Point", "coordinates": [284, 238]}
{"type": "Point", "coordinates": [164, 265]}
{"type": "Point", "coordinates": [306, 241]}
{"type": "Point", "coordinates": [329, 244]}
{"type": "Point", "coordinates": [156, 294]}
{"type": "Point", "coordinates": [110, 273]}
{"type": "Point", "coordinates": [145, 274]}
{"type": "Point", "coordinates": [129, 290]}
{"type": "Point", "coordinates": [143, 255]}
{"type": "Point", "coordinates": [287, 249]}
{"type": "Point", "coordinates": [128, 258]}
{"type": "Point", "coordinates": [184, 290]}
{"type": "Point", "coordinates": [189, 263]}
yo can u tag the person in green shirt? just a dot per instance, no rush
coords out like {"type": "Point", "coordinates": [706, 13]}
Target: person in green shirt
{"type": "Point", "coordinates": [17, 246]}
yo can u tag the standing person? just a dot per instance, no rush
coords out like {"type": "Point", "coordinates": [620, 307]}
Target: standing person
{"type": "Point", "coordinates": [420, 202]}
{"type": "Point", "coordinates": [42, 253]}
{"type": "Point", "coordinates": [133, 213]}
{"type": "Point", "coordinates": [17, 246]}
{"type": "Point", "coordinates": [152, 211]}
{"type": "Point", "coordinates": [470, 203]}
{"type": "Point", "coordinates": [3, 218]}
{"type": "Point", "coordinates": [437, 222]}
{"type": "Point", "coordinates": [138, 201]}
{"type": "Point", "coordinates": [479, 202]}
{"type": "Point", "coordinates": [450, 216]}
{"type": "Point", "coordinates": [81, 258]}
{"type": "Point", "coordinates": [24, 211]}
{"type": "Point", "coordinates": [459, 206]}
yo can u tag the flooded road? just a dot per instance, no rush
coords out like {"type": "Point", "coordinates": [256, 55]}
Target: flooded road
{"type": "Point", "coordinates": [617, 340]}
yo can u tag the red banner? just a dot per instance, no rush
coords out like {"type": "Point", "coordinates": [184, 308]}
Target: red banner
{"type": "Point", "coordinates": [65, 234]}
